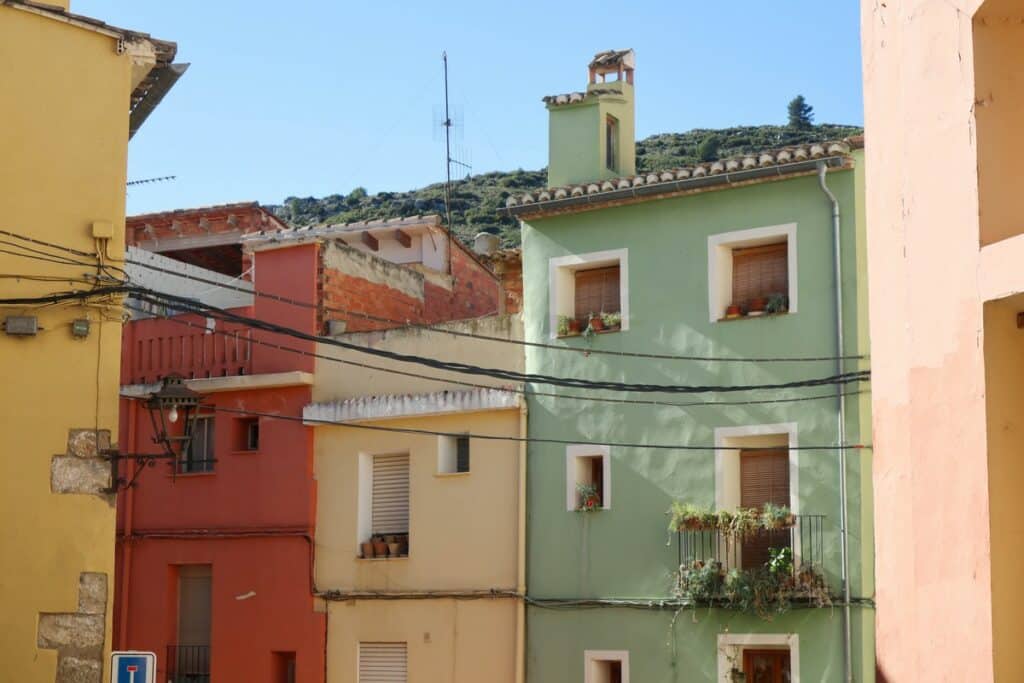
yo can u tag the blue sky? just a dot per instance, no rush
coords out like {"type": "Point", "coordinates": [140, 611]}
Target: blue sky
{"type": "Point", "coordinates": [317, 97]}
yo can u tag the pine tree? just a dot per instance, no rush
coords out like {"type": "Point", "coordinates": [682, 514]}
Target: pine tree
{"type": "Point", "coordinates": [801, 114]}
{"type": "Point", "coordinates": [708, 148]}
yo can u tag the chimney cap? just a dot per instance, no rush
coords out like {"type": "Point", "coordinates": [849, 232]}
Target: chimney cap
{"type": "Point", "coordinates": [611, 60]}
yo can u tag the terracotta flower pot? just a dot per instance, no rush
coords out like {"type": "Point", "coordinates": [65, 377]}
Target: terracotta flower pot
{"type": "Point", "coordinates": [758, 304]}
{"type": "Point", "coordinates": [367, 548]}
{"type": "Point", "coordinates": [733, 312]}
{"type": "Point", "coordinates": [393, 549]}
{"type": "Point", "coordinates": [596, 323]}
{"type": "Point", "coordinates": [574, 326]}
{"type": "Point", "coordinates": [380, 548]}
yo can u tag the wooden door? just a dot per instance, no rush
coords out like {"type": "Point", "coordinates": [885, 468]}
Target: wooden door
{"type": "Point", "coordinates": [766, 666]}
{"type": "Point", "coordinates": [764, 478]}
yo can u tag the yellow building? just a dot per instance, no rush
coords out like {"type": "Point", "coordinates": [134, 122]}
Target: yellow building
{"type": "Point", "coordinates": [71, 91]}
{"type": "Point", "coordinates": [445, 602]}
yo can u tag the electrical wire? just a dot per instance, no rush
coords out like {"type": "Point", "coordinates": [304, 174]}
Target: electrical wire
{"type": "Point", "coordinates": [184, 304]}
{"type": "Point", "coordinates": [517, 439]}
{"type": "Point", "coordinates": [435, 327]}
{"type": "Point", "coordinates": [420, 376]}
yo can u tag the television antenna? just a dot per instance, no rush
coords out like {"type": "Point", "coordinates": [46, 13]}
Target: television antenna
{"type": "Point", "coordinates": [452, 124]}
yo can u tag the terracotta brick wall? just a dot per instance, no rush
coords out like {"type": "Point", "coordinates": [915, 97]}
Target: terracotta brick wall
{"type": "Point", "coordinates": [474, 292]}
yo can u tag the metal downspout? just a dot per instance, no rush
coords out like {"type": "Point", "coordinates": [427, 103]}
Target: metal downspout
{"type": "Point", "coordinates": [520, 666]}
{"type": "Point", "coordinates": [844, 532]}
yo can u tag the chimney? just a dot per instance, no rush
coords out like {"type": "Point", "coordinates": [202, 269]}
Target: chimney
{"type": "Point", "coordinates": [592, 134]}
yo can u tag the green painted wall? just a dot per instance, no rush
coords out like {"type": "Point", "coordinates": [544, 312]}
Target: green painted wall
{"type": "Point", "coordinates": [576, 136]}
{"type": "Point", "coordinates": [622, 552]}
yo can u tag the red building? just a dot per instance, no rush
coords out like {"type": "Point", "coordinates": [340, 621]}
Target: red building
{"type": "Point", "coordinates": [215, 550]}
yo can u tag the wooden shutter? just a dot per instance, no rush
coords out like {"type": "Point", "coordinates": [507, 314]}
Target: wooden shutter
{"type": "Point", "coordinates": [194, 602]}
{"type": "Point", "coordinates": [391, 494]}
{"type": "Point", "coordinates": [759, 272]}
{"type": "Point", "coordinates": [383, 663]}
{"type": "Point", "coordinates": [597, 291]}
{"type": "Point", "coordinates": [764, 478]}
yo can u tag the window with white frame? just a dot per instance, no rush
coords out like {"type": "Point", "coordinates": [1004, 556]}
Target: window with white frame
{"type": "Point", "coordinates": [453, 454]}
{"type": "Point", "coordinates": [755, 657]}
{"type": "Point", "coordinates": [588, 475]}
{"type": "Point", "coordinates": [383, 662]}
{"type": "Point", "coordinates": [589, 290]}
{"type": "Point", "coordinates": [384, 499]}
{"type": "Point", "coordinates": [752, 272]}
{"type": "Point", "coordinates": [199, 457]}
{"type": "Point", "coordinates": [606, 666]}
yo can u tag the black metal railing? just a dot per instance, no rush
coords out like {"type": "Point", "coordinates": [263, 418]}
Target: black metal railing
{"type": "Point", "coordinates": [188, 663]}
{"type": "Point", "coordinates": [752, 549]}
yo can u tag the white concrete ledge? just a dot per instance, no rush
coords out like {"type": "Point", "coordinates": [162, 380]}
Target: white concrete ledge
{"type": "Point", "coordinates": [999, 269]}
{"type": "Point", "coordinates": [410, 405]}
{"type": "Point", "coordinates": [212, 385]}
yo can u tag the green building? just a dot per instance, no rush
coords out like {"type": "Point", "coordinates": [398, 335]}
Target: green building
{"type": "Point", "coordinates": [734, 259]}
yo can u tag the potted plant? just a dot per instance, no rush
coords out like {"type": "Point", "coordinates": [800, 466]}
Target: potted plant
{"type": "Point", "coordinates": [367, 548]}
{"type": "Point", "coordinates": [393, 548]}
{"type": "Point", "coordinates": [745, 521]}
{"type": "Point", "coordinates": [777, 303]}
{"type": "Point", "coordinates": [588, 497]}
{"type": "Point", "coordinates": [563, 326]}
{"type": "Point", "coordinates": [689, 517]}
{"type": "Point", "coordinates": [733, 311]}
{"type": "Point", "coordinates": [380, 546]}
{"type": "Point", "coordinates": [612, 321]}
{"type": "Point", "coordinates": [775, 517]}
{"type": "Point", "coordinates": [699, 581]}
{"type": "Point", "coordinates": [596, 322]}
{"type": "Point", "coordinates": [757, 305]}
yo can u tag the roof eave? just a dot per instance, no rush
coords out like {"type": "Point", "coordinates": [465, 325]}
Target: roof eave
{"type": "Point", "coordinates": [640, 193]}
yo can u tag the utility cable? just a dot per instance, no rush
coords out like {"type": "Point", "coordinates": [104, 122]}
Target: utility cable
{"type": "Point", "coordinates": [458, 333]}
{"type": "Point", "coordinates": [182, 303]}
{"type": "Point", "coordinates": [420, 376]}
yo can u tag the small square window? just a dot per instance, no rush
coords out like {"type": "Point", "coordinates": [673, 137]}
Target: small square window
{"type": "Point", "coordinates": [588, 478]}
{"type": "Point", "coordinates": [752, 272]}
{"type": "Point", "coordinates": [589, 290]}
{"type": "Point", "coordinates": [200, 454]}
{"type": "Point", "coordinates": [453, 454]}
{"type": "Point", "coordinates": [606, 666]}
{"type": "Point", "coordinates": [247, 434]}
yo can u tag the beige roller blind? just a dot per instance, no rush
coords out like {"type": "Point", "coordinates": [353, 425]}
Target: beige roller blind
{"type": "Point", "coordinates": [759, 272]}
{"type": "Point", "coordinates": [764, 478]}
{"type": "Point", "coordinates": [597, 291]}
{"type": "Point", "coordinates": [391, 494]}
{"type": "Point", "coordinates": [382, 663]}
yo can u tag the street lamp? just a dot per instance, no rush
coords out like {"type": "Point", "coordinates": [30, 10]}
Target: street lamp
{"type": "Point", "coordinates": [172, 403]}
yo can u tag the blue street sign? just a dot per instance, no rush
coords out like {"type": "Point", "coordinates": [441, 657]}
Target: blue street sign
{"type": "Point", "coordinates": [132, 667]}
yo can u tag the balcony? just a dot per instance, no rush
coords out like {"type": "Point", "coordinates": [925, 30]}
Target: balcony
{"type": "Point", "coordinates": [188, 663]}
{"type": "Point", "coordinates": [751, 563]}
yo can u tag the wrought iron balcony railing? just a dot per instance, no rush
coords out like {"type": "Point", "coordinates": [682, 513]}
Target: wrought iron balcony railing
{"type": "Point", "coordinates": [188, 663]}
{"type": "Point", "coordinates": [753, 550]}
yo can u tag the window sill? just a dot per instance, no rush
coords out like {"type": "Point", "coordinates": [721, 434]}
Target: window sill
{"type": "Point", "coordinates": [381, 559]}
{"type": "Point", "coordinates": [447, 475]}
{"type": "Point", "coordinates": [179, 475]}
{"type": "Point", "coordinates": [609, 330]}
{"type": "Point", "coordinates": [244, 451]}
{"type": "Point", "coordinates": [751, 317]}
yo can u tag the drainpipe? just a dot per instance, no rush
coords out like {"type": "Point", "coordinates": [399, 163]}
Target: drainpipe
{"type": "Point", "coordinates": [520, 671]}
{"type": "Point", "coordinates": [844, 532]}
{"type": "Point", "coordinates": [126, 543]}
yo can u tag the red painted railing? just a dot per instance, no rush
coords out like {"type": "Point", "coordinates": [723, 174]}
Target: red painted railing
{"type": "Point", "coordinates": [182, 345]}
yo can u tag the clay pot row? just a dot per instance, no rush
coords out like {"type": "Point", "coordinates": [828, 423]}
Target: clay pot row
{"type": "Point", "coordinates": [386, 545]}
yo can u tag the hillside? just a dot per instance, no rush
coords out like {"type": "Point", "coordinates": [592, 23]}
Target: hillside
{"type": "Point", "coordinates": [476, 199]}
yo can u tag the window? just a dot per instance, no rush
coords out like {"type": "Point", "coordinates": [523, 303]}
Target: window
{"type": "Point", "coordinates": [757, 274]}
{"type": "Point", "coordinates": [189, 658]}
{"type": "Point", "coordinates": [606, 666]}
{"type": "Point", "coordinates": [284, 667]}
{"type": "Point", "coordinates": [752, 272]}
{"type": "Point", "coordinates": [453, 454]}
{"type": "Point", "coordinates": [583, 284]}
{"type": "Point", "coordinates": [596, 292]}
{"type": "Point", "coordinates": [390, 497]}
{"type": "Point", "coordinates": [247, 434]}
{"type": "Point", "coordinates": [764, 478]}
{"type": "Point", "coordinates": [588, 471]}
{"type": "Point", "coordinates": [199, 456]}
{"type": "Point", "coordinates": [761, 657]}
{"type": "Point", "coordinates": [383, 663]}
{"type": "Point", "coordinates": [611, 143]}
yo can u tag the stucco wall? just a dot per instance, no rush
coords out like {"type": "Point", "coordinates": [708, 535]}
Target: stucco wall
{"type": "Point", "coordinates": [64, 92]}
{"type": "Point", "coordinates": [462, 528]}
{"type": "Point", "coordinates": [927, 335]}
{"type": "Point", "coordinates": [622, 552]}
{"type": "Point", "coordinates": [448, 640]}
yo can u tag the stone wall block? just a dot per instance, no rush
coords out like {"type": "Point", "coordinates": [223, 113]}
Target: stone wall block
{"type": "Point", "coordinates": [92, 593]}
{"type": "Point", "coordinates": [73, 474]}
{"type": "Point", "coordinates": [79, 670]}
{"type": "Point", "coordinates": [87, 443]}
